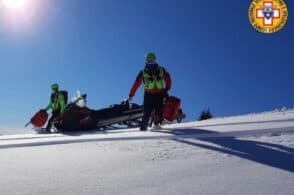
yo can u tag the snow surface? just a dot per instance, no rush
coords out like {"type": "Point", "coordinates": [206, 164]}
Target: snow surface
{"type": "Point", "coordinates": [250, 154]}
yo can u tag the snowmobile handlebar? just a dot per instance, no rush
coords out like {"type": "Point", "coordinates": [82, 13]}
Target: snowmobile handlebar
{"type": "Point", "coordinates": [125, 101]}
{"type": "Point", "coordinates": [28, 124]}
{"type": "Point", "coordinates": [129, 99]}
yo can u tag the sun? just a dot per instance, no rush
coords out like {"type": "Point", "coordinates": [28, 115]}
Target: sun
{"type": "Point", "coordinates": [20, 16]}
{"type": "Point", "coordinates": [14, 4]}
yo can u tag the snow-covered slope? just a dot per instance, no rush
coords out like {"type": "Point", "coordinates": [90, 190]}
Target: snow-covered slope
{"type": "Point", "coordinates": [250, 154]}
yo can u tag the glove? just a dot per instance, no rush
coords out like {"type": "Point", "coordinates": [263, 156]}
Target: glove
{"type": "Point", "coordinates": [165, 93]}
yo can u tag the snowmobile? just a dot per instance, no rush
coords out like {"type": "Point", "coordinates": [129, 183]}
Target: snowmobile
{"type": "Point", "coordinates": [83, 118]}
{"type": "Point", "coordinates": [78, 117]}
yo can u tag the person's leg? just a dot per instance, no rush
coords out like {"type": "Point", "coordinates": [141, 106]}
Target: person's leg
{"type": "Point", "coordinates": [51, 120]}
{"type": "Point", "coordinates": [158, 101]}
{"type": "Point", "coordinates": [49, 124]}
{"type": "Point", "coordinates": [147, 111]}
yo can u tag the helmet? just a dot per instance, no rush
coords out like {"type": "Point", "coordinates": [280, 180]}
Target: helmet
{"type": "Point", "coordinates": [54, 87]}
{"type": "Point", "coordinates": [150, 57]}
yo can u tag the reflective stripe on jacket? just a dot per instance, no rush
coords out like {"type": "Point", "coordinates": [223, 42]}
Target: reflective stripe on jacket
{"type": "Point", "coordinates": [152, 81]}
{"type": "Point", "coordinates": [150, 86]}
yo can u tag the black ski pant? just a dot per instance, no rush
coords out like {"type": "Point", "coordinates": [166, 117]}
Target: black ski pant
{"type": "Point", "coordinates": [54, 115]}
{"type": "Point", "coordinates": [153, 103]}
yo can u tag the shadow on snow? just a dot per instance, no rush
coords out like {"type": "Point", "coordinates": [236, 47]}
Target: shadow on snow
{"type": "Point", "coordinates": [274, 155]}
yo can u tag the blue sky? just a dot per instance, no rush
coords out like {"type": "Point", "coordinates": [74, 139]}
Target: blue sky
{"type": "Point", "coordinates": [216, 59]}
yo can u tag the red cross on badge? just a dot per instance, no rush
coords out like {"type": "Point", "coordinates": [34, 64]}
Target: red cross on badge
{"type": "Point", "coordinates": [268, 13]}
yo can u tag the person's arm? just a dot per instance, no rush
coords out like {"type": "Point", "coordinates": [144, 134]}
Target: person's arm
{"type": "Point", "coordinates": [61, 103]}
{"type": "Point", "coordinates": [167, 80]}
{"type": "Point", "coordinates": [136, 84]}
{"type": "Point", "coordinates": [49, 106]}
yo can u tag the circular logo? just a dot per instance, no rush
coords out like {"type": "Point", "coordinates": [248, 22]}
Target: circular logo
{"type": "Point", "coordinates": [268, 16]}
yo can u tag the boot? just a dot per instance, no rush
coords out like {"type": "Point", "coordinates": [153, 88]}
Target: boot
{"type": "Point", "coordinates": [143, 128]}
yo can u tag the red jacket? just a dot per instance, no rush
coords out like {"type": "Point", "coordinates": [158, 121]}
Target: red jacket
{"type": "Point", "coordinates": [140, 79]}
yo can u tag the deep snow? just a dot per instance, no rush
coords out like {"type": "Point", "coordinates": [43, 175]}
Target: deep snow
{"type": "Point", "coordinates": [251, 154]}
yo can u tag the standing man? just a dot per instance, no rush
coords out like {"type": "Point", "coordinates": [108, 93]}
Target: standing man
{"type": "Point", "coordinates": [57, 104]}
{"type": "Point", "coordinates": [152, 76]}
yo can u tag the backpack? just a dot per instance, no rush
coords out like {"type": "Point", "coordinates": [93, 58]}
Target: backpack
{"type": "Point", "coordinates": [153, 71]}
{"type": "Point", "coordinates": [65, 96]}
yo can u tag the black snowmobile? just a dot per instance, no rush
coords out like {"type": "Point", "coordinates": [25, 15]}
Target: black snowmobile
{"type": "Point", "coordinates": [78, 117]}
{"type": "Point", "coordinates": [115, 116]}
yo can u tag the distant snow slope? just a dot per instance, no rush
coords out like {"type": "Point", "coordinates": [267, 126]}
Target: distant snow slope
{"type": "Point", "coordinates": [250, 154]}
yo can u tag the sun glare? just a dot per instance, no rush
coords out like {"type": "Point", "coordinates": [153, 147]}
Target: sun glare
{"type": "Point", "coordinates": [14, 4]}
{"type": "Point", "coordinates": [20, 15]}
